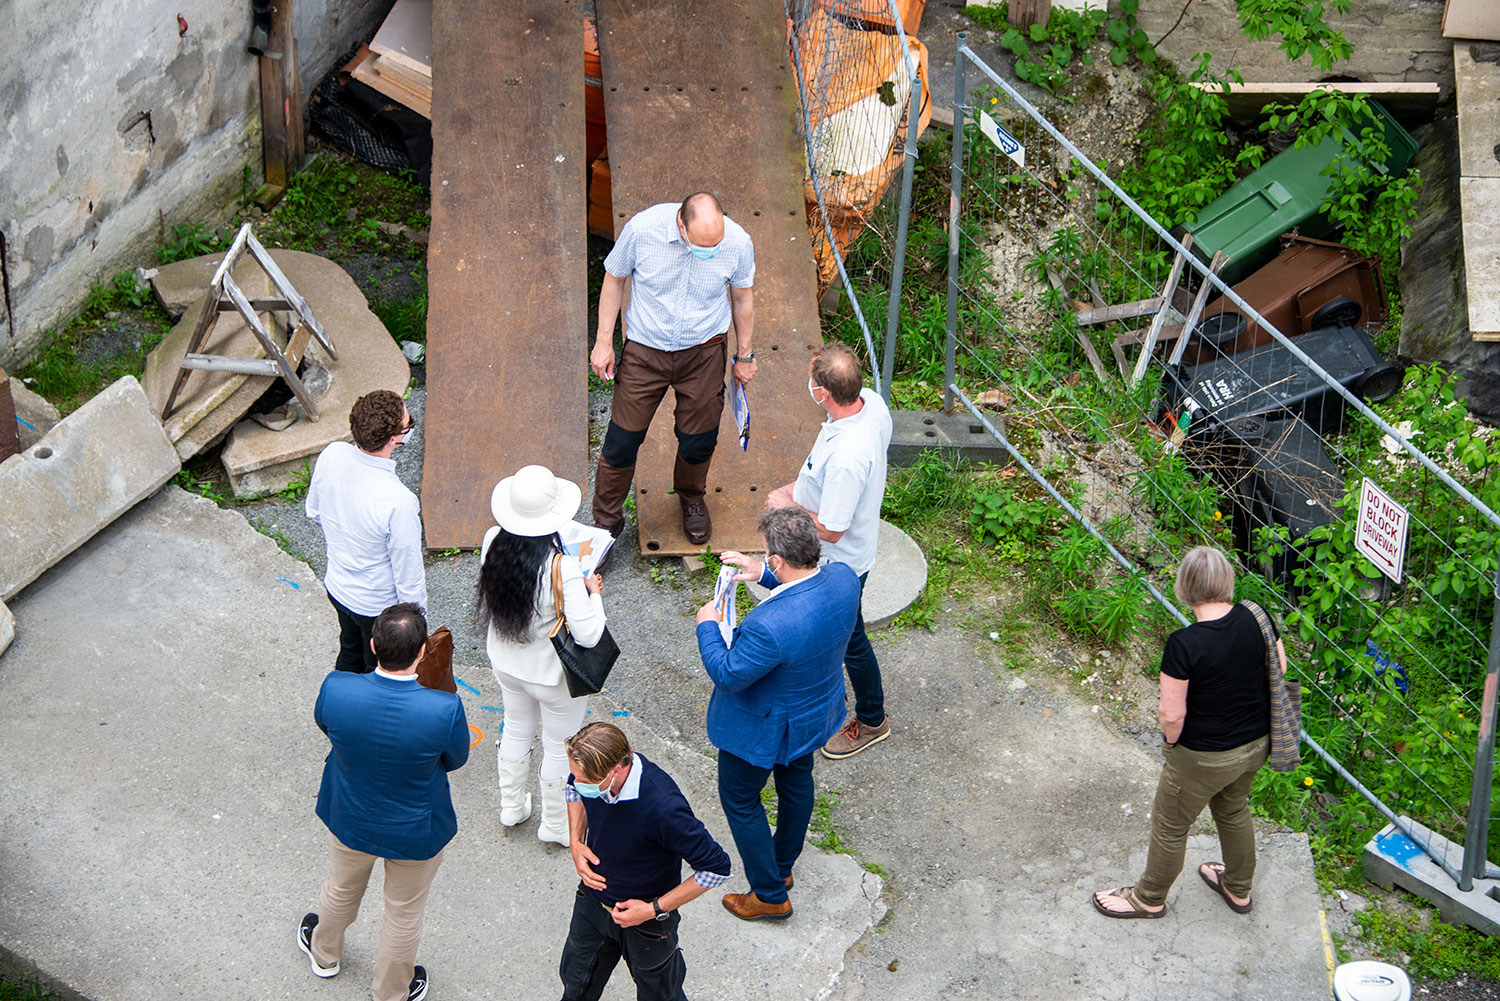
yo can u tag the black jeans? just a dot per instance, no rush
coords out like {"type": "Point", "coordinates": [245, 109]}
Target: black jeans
{"type": "Point", "coordinates": [864, 669]}
{"type": "Point", "coordinates": [355, 653]}
{"type": "Point", "coordinates": [595, 944]}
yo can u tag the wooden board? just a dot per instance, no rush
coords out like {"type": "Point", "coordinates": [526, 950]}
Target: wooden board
{"type": "Point", "coordinates": [1472, 19]}
{"type": "Point", "coordinates": [682, 118]}
{"type": "Point", "coordinates": [368, 73]}
{"type": "Point", "coordinates": [406, 36]}
{"type": "Point", "coordinates": [1477, 94]}
{"type": "Point", "coordinates": [1406, 101]}
{"type": "Point", "coordinates": [282, 136]}
{"type": "Point", "coordinates": [1479, 201]}
{"type": "Point", "coordinates": [507, 346]}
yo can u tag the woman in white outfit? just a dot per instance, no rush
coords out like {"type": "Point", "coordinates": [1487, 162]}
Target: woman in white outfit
{"type": "Point", "coordinates": [517, 607]}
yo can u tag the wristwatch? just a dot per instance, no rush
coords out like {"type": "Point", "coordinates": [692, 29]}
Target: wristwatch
{"type": "Point", "coordinates": [661, 915]}
{"type": "Point", "coordinates": [748, 357]}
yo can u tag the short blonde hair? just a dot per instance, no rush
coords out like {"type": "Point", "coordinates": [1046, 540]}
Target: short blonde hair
{"type": "Point", "coordinates": [597, 748]}
{"type": "Point", "coordinates": [1204, 575]}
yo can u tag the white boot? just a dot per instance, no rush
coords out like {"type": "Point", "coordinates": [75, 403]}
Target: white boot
{"type": "Point", "coordinates": [554, 825]}
{"type": "Point", "coordinates": [515, 802]}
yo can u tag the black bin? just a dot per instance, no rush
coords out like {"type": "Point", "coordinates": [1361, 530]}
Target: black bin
{"type": "Point", "coordinates": [1271, 382]}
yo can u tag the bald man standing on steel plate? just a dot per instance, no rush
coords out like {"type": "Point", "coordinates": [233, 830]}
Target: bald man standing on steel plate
{"type": "Point", "coordinates": [682, 259]}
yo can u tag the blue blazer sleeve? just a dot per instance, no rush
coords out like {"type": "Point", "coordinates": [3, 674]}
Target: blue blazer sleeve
{"type": "Point", "coordinates": [736, 668]}
{"type": "Point", "coordinates": [456, 754]}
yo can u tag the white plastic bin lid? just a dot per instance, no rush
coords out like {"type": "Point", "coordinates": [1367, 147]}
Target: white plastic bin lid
{"type": "Point", "coordinates": [1367, 980]}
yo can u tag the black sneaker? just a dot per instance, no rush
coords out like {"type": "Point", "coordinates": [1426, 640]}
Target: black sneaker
{"type": "Point", "coordinates": [418, 984]}
{"type": "Point", "coordinates": [304, 942]}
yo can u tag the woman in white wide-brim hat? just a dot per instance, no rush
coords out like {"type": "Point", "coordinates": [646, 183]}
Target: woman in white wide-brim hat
{"type": "Point", "coordinates": [517, 608]}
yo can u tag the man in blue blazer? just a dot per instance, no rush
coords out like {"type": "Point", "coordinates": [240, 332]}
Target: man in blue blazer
{"type": "Point", "coordinates": [778, 696]}
{"type": "Point", "coordinates": [385, 796]}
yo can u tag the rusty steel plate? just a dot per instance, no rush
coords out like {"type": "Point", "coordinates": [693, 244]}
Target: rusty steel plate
{"type": "Point", "coordinates": [507, 337]}
{"type": "Point", "coordinates": [702, 96]}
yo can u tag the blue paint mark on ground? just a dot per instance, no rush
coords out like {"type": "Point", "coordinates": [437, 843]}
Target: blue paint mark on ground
{"type": "Point", "coordinates": [295, 585]}
{"type": "Point", "coordinates": [1399, 848]}
{"type": "Point", "coordinates": [621, 712]}
{"type": "Point", "coordinates": [493, 709]}
{"type": "Point", "coordinates": [467, 685]}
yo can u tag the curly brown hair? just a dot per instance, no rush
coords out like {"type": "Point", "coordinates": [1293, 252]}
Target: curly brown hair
{"type": "Point", "coordinates": [376, 417]}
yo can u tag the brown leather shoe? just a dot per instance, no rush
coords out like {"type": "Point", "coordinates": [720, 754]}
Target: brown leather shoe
{"type": "Point", "coordinates": [788, 882]}
{"type": "Point", "coordinates": [696, 524]}
{"type": "Point", "coordinates": [749, 907]}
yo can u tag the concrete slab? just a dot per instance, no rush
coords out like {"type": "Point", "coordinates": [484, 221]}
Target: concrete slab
{"type": "Point", "coordinates": [179, 285]}
{"type": "Point", "coordinates": [158, 804]}
{"type": "Point", "coordinates": [259, 460]}
{"type": "Point", "coordinates": [1479, 199]}
{"type": "Point", "coordinates": [91, 468]}
{"type": "Point", "coordinates": [38, 415]}
{"type": "Point", "coordinates": [7, 627]}
{"type": "Point", "coordinates": [1392, 859]}
{"type": "Point", "coordinates": [915, 431]}
{"type": "Point", "coordinates": [897, 580]}
{"type": "Point", "coordinates": [1477, 89]}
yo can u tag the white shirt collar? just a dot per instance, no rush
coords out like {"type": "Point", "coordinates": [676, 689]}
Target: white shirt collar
{"type": "Point", "coordinates": [395, 677]}
{"type": "Point", "coordinates": [781, 589]}
{"type": "Point", "coordinates": [632, 787]}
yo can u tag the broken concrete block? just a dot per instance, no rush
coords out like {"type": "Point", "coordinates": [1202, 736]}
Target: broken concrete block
{"type": "Point", "coordinates": [260, 461]}
{"type": "Point", "coordinates": [92, 467]}
{"type": "Point", "coordinates": [7, 627]}
{"type": "Point", "coordinates": [37, 416]}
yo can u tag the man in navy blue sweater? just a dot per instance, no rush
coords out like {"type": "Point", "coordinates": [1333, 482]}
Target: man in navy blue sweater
{"type": "Point", "coordinates": [631, 830]}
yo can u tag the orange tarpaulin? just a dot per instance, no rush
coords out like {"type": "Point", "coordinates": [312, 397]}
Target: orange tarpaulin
{"type": "Point", "coordinates": [858, 93]}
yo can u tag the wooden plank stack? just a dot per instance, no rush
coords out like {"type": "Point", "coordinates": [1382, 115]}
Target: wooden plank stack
{"type": "Point", "coordinates": [398, 62]}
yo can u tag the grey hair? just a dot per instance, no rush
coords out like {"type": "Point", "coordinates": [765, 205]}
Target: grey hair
{"type": "Point", "coordinates": [1204, 575]}
{"type": "Point", "coordinates": [791, 534]}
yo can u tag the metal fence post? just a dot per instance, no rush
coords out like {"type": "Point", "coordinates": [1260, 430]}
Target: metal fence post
{"type": "Point", "coordinates": [955, 187]}
{"type": "Point", "coordinates": [1477, 835]}
{"type": "Point", "coordinates": [898, 269]}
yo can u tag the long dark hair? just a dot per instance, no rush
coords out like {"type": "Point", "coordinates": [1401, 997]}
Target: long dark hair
{"type": "Point", "coordinates": [510, 581]}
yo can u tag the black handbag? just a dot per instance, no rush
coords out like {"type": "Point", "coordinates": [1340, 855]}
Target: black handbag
{"type": "Point", "coordinates": [584, 667]}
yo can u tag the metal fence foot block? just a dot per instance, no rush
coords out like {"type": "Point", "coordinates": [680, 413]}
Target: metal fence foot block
{"type": "Point", "coordinates": [1394, 860]}
{"type": "Point", "coordinates": [97, 464]}
{"type": "Point", "coordinates": [915, 431]}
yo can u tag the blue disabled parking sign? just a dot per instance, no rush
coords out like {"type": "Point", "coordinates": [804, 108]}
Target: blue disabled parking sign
{"type": "Point", "coordinates": [1007, 143]}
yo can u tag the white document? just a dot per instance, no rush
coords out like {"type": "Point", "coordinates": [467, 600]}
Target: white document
{"type": "Point", "coordinates": [585, 543]}
{"type": "Point", "coordinates": [740, 405]}
{"type": "Point", "coordinates": [726, 590]}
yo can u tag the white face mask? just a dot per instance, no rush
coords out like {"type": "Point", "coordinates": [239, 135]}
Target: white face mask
{"type": "Point", "coordinates": [812, 390]}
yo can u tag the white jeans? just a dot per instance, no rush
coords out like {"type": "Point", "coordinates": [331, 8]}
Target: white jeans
{"type": "Point", "coordinates": [526, 705]}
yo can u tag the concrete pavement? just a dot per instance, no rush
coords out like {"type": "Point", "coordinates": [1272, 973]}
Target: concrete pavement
{"type": "Point", "coordinates": [162, 766]}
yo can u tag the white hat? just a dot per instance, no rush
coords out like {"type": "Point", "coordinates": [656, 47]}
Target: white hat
{"type": "Point", "coordinates": [534, 502]}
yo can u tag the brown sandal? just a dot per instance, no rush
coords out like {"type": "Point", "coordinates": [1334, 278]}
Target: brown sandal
{"type": "Point", "coordinates": [1127, 894]}
{"type": "Point", "coordinates": [1217, 868]}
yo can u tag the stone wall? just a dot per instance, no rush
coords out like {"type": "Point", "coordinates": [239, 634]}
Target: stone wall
{"type": "Point", "coordinates": [114, 127]}
{"type": "Point", "coordinates": [1394, 40]}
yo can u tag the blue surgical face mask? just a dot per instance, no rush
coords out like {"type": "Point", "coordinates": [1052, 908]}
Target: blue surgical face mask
{"type": "Point", "coordinates": [588, 790]}
{"type": "Point", "coordinates": [705, 253]}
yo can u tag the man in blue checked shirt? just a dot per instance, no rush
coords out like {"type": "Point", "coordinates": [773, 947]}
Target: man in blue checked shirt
{"type": "Point", "coordinates": [691, 270]}
{"type": "Point", "coordinates": [630, 830]}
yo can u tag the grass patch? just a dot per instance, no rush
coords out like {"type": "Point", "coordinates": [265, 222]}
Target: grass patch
{"type": "Point", "coordinates": [1437, 950]}
{"type": "Point", "coordinates": [111, 337]}
{"type": "Point", "coordinates": [336, 205]}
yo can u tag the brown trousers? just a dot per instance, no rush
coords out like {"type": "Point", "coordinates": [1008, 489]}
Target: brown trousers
{"type": "Point", "coordinates": [1191, 780]}
{"type": "Point", "coordinates": [642, 377]}
{"type": "Point", "coordinates": [406, 886]}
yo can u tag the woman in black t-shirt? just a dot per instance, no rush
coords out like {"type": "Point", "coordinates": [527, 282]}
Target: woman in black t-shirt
{"type": "Point", "coordinates": [1215, 715]}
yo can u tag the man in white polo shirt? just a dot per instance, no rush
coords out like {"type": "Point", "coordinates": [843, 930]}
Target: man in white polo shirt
{"type": "Point", "coordinates": [371, 524]}
{"type": "Point", "coordinates": [842, 485]}
{"type": "Point", "coordinates": [691, 269]}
